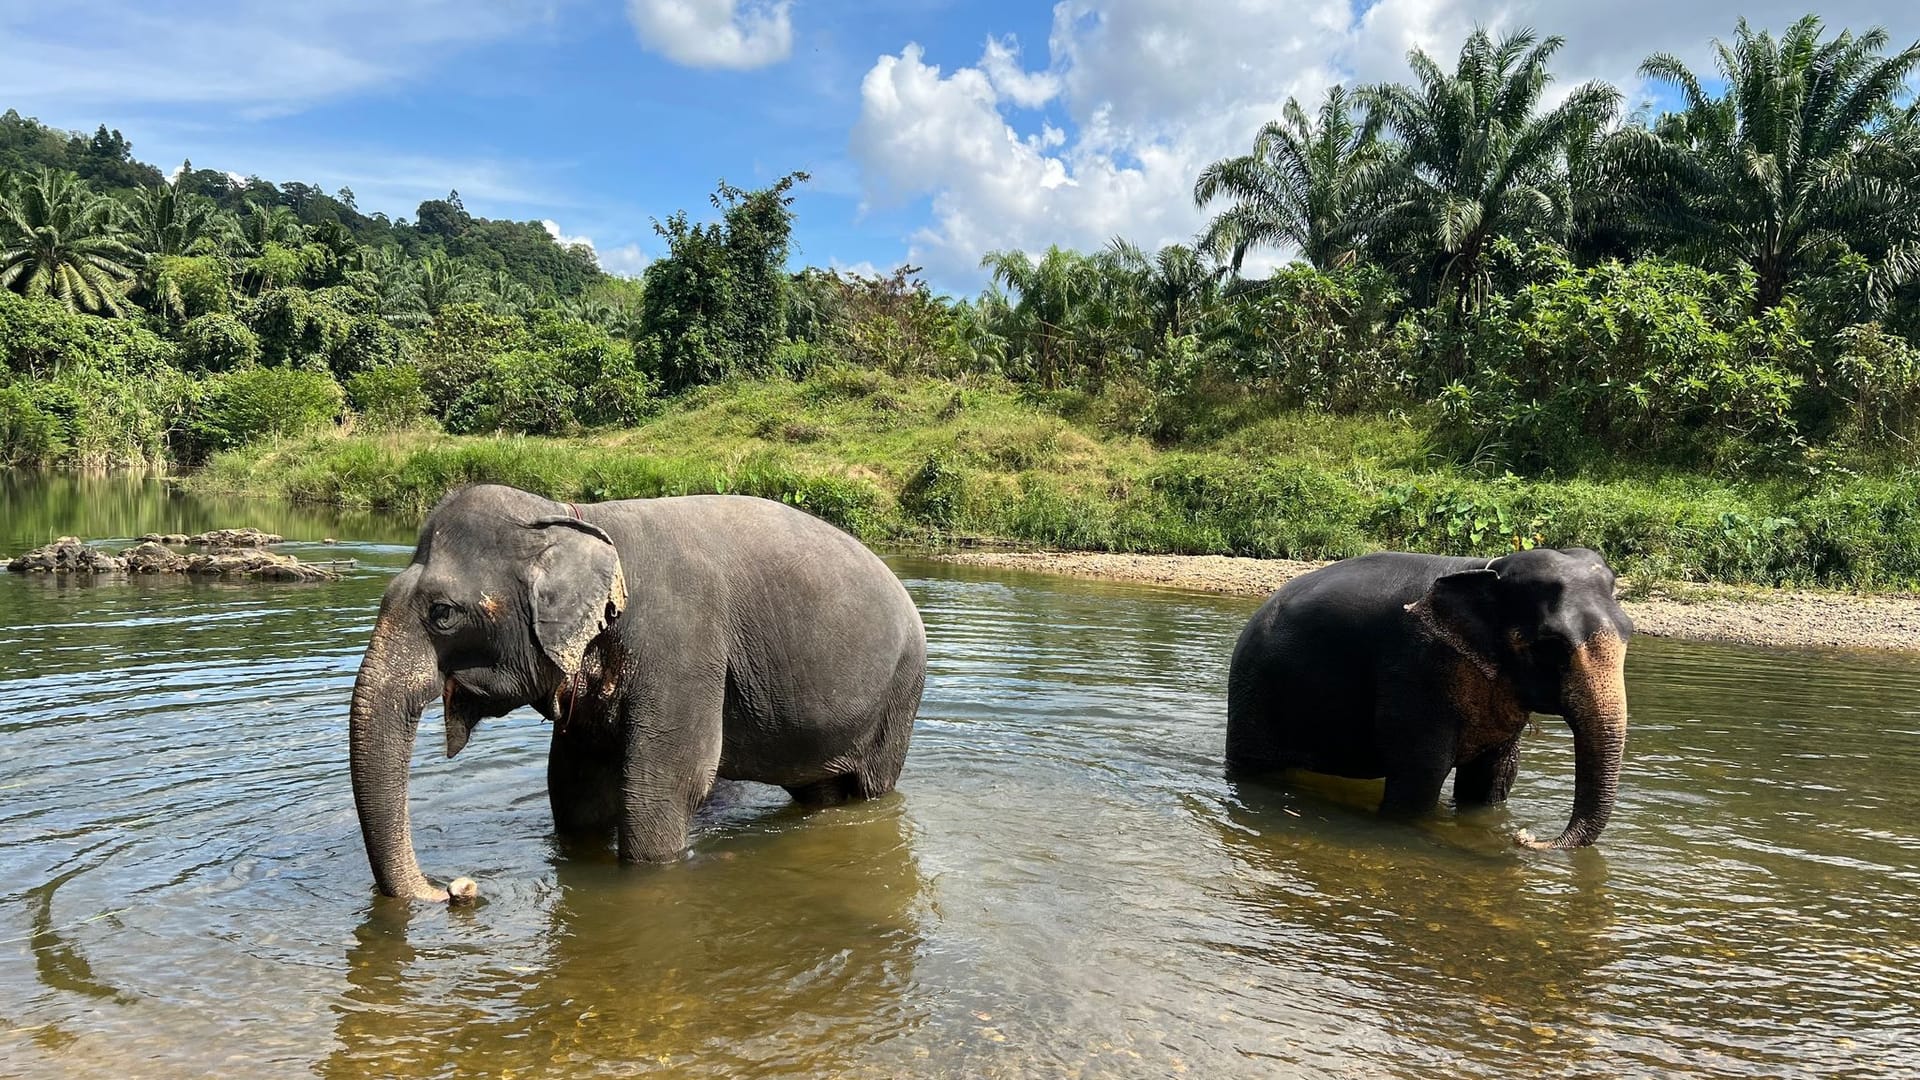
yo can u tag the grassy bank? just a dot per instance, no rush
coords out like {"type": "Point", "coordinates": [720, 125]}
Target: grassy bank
{"type": "Point", "coordinates": [931, 460]}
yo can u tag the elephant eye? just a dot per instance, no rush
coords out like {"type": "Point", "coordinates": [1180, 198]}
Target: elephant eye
{"type": "Point", "coordinates": [441, 615]}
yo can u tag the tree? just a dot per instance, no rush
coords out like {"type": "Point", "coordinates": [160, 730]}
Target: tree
{"type": "Point", "coordinates": [715, 305]}
{"type": "Point", "coordinates": [59, 239]}
{"type": "Point", "coordinates": [1303, 186]}
{"type": "Point", "coordinates": [1477, 159]}
{"type": "Point", "coordinates": [1804, 154]}
{"type": "Point", "coordinates": [441, 282]}
{"type": "Point", "coordinates": [445, 218]}
{"type": "Point", "coordinates": [162, 220]}
{"type": "Point", "coordinates": [1173, 288]}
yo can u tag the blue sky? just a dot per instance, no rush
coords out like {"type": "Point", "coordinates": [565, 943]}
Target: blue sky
{"type": "Point", "coordinates": [934, 129]}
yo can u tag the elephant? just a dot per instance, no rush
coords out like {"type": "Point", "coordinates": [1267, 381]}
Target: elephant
{"type": "Point", "coordinates": [1409, 666]}
{"type": "Point", "coordinates": [669, 642]}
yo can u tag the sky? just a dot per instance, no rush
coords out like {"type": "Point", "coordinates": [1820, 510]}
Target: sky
{"type": "Point", "coordinates": [934, 130]}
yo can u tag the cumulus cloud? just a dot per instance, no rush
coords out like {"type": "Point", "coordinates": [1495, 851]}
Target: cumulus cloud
{"type": "Point", "coordinates": [1152, 90]}
{"type": "Point", "coordinates": [738, 34]}
{"type": "Point", "coordinates": [627, 260]}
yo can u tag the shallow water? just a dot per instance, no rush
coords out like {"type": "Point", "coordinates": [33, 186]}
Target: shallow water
{"type": "Point", "coordinates": [1064, 885]}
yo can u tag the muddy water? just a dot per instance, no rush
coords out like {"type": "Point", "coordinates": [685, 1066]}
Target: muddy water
{"type": "Point", "coordinates": [1065, 885]}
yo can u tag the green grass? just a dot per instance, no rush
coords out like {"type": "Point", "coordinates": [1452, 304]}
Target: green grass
{"type": "Point", "coordinates": [899, 460]}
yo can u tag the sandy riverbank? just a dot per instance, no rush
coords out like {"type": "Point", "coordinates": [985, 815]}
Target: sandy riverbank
{"type": "Point", "coordinates": [1755, 617]}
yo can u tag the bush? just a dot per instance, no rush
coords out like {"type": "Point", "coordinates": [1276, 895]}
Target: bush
{"type": "Point", "coordinates": [28, 435]}
{"type": "Point", "coordinates": [256, 403]}
{"type": "Point", "coordinates": [1654, 359]}
{"type": "Point", "coordinates": [217, 343]}
{"type": "Point", "coordinates": [39, 337]}
{"type": "Point", "coordinates": [388, 397]}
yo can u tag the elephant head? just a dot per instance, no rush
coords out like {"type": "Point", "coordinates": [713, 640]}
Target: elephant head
{"type": "Point", "coordinates": [1546, 625]}
{"type": "Point", "coordinates": [505, 593]}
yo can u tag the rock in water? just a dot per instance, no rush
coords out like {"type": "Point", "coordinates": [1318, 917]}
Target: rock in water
{"type": "Point", "coordinates": [67, 555]}
{"type": "Point", "coordinates": [152, 558]}
{"type": "Point", "coordinates": [255, 563]}
{"type": "Point", "coordinates": [236, 538]}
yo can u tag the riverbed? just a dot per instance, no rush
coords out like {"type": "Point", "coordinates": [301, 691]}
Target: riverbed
{"type": "Point", "coordinates": [1064, 885]}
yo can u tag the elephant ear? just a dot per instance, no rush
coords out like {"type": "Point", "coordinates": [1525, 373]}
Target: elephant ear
{"type": "Point", "coordinates": [578, 588]}
{"type": "Point", "coordinates": [1463, 610]}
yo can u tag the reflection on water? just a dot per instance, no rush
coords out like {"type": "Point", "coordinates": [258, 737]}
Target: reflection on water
{"type": "Point", "coordinates": [1065, 884]}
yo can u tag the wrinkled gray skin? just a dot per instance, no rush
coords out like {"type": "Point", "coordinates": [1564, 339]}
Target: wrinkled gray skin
{"type": "Point", "coordinates": [669, 641]}
{"type": "Point", "coordinates": [1410, 667]}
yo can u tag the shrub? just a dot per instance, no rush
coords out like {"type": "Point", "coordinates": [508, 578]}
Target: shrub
{"type": "Point", "coordinates": [216, 343]}
{"type": "Point", "coordinates": [256, 403]}
{"type": "Point", "coordinates": [388, 396]}
{"type": "Point", "coordinates": [1654, 359]}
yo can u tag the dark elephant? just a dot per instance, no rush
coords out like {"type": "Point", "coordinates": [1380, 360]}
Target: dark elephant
{"type": "Point", "coordinates": [1409, 666]}
{"type": "Point", "coordinates": [669, 641]}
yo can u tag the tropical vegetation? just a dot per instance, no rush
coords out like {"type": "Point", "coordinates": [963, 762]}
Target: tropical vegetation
{"type": "Point", "coordinates": [1514, 315]}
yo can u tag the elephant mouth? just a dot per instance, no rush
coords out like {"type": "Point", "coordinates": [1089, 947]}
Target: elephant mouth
{"type": "Point", "coordinates": [465, 706]}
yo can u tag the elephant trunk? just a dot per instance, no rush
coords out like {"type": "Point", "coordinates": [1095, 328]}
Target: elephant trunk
{"type": "Point", "coordinates": [1595, 705]}
{"type": "Point", "coordinates": [397, 678]}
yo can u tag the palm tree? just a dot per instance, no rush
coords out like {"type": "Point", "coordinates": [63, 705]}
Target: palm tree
{"type": "Point", "coordinates": [1302, 186]}
{"type": "Point", "coordinates": [1174, 287]}
{"type": "Point", "coordinates": [1058, 311]}
{"type": "Point", "coordinates": [441, 282]}
{"type": "Point", "coordinates": [263, 225]}
{"type": "Point", "coordinates": [166, 225]}
{"type": "Point", "coordinates": [58, 239]}
{"type": "Point", "coordinates": [506, 294]}
{"type": "Point", "coordinates": [164, 221]}
{"type": "Point", "coordinates": [381, 274]}
{"type": "Point", "coordinates": [1804, 151]}
{"type": "Point", "coordinates": [1477, 159]}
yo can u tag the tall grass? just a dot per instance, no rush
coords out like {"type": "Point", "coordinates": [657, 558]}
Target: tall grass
{"type": "Point", "coordinates": [901, 460]}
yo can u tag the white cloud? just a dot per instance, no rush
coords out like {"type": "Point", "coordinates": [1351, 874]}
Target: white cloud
{"type": "Point", "coordinates": [863, 268]}
{"type": "Point", "coordinates": [1155, 89]}
{"type": "Point", "coordinates": [738, 34]}
{"type": "Point", "coordinates": [1028, 89]}
{"type": "Point", "coordinates": [626, 260]}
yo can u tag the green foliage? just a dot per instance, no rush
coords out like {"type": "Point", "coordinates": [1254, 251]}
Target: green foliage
{"type": "Point", "coordinates": [217, 343]}
{"type": "Point", "coordinates": [40, 337]}
{"type": "Point", "coordinates": [60, 240]}
{"type": "Point", "coordinates": [455, 349]}
{"type": "Point", "coordinates": [715, 306]}
{"type": "Point", "coordinates": [562, 376]}
{"type": "Point", "coordinates": [1807, 149]}
{"type": "Point", "coordinates": [1655, 359]}
{"type": "Point", "coordinates": [242, 406]}
{"type": "Point", "coordinates": [388, 396]}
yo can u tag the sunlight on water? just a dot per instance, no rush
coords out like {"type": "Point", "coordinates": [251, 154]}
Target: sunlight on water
{"type": "Point", "coordinates": [1064, 885]}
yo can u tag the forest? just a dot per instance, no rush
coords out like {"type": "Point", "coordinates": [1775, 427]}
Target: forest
{"type": "Point", "coordinates": [1515, 315]}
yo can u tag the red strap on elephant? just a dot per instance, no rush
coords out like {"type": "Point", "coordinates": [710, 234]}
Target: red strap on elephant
{"type": "Point", "coordinates": [575, 511]}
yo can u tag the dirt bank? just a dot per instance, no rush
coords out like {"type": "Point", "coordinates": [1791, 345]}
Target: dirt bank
{"type": "Point", "coordinates": [1755, 617]}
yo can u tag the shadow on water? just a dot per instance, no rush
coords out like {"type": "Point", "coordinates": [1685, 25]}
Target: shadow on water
{"type": "Point", "coordinates": [786, 947]}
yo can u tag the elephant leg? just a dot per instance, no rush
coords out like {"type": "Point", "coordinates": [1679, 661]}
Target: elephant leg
{"type": "Point", "coordinates": [583, 782]}
{"type": "Point", "coordinates": [1485, 780]}
{"type": "Point", "coordinates": [1414, 789]}
{"type": "Point", "coordinates": [1418, 755]}
{"type": "Point", "coordinates": [672, 756]}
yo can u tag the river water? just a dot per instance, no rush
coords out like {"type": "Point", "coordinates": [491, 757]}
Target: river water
{"type": "Point", "coordinates": [1065, 884]}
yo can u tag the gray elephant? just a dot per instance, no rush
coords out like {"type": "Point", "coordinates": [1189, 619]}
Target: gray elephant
{"type": "Point", "coordinates": [1410, 666]}
{"type": "Point", "coordinates": [669, 641]}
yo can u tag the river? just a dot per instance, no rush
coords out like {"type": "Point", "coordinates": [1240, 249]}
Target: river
{"type": "Point", "coordinates": [1064, 885]}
